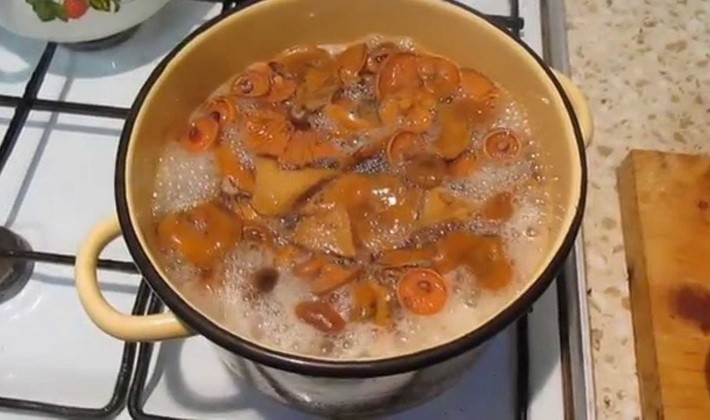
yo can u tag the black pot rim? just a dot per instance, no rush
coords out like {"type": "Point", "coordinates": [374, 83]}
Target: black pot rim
{"type": "Point", "coordinates": [330, 368]}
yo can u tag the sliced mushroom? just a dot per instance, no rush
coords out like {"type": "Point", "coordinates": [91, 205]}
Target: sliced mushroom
{"type": "Point", "coordinates": [246, 211]}
{"type": "Point", "coordinates": [331, 276]}
{"type": "Point", "coordinates": [266, 132]}
{"type": "Point", "coordinates": [399, 71]}
{"type": "Point", "coordinates": [422, 291]}
{"type": "Point", "coordinates": [383, 310]}
{"type": "Point", "coordinates": [439, 206]}
{"type": "Point", "coordinates": [222, 110]}
{"type": "Point", "coordinates": [440, 76]}
{"type": "Point", "coordinates": [258, 232]}
{"type": "Point", "coordinates": [464, 165]}
{"type": "Point", "coordinates": [412, 109]}
{"type": "Point", "coordinates": [455, 133]}
{"type": "Point", "coordinates": [318, 88]}
{"type": "Point", "coordinates": [320, 316]}
{"type": "Point", "coordinates": [383, 215]}
{"type": "Point", "coordinates": [425, 169]}
{"type": "Point", "coordinates": [296, 61]}
{"type": "Point", "coordinates": [379, 54]}
{"type": "Point", "coordinates": [236, 176]}
{"type": "Point", "coordinates": [281, 88]}
{"type": "Point", "coordinates": [201, 235]}
{"type": "Point", "coordinates": [499, 207]}
{"type": "Point", "coordinates": [489, 263]}
{"type": "Point", "coordinates": [201, 134]}
{"type": "Point", "coordinates": [483, 256]}
{"type": "Point", "coordinates": [276, 189]}
{"type": "Point", "coordinates": [328, 231]}
{"type": "Point", "coordinates": [350, 116]}
{"type": "Point", "coordinates": [404, 145]}
{"type": "Point", "coordinates": [346, 190]}
{"type": "Point", "coordinates": [407, 257]}
{"type": "Point", "coordinates": [502, 145]}
{"type": "Point", "coordinates": [310, 268]}
{"type": "Point", "coordinates": [478, 87]}
{"type": "Point", "coordinates": [307, 147]}
{"type": "Point", "coordinates": [351, 61]}
{"type": "Point", "coordinates": [253, 83]}
{"type": "Point", "coordinates": [364, 300]}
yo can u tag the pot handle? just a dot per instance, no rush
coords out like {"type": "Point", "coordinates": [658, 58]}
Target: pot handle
{"type": "Point", "coordinates": [580, 106]}
{"type": "Point", "coordinates": [154, 327]}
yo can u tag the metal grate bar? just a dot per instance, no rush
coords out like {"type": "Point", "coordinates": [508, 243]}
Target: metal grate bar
{"type": "Point", "coordinates": [47, 257]}
{"type": "Point", "coordinates": [136, 399]}
{"type": "Point", "coordinates": [120, 391]}
{"type": "Point", "coordinates": [514, 24]}
{"type": "Point", "coordinates": [69, 107]}
{"type": "Point", "coordinates": [25, 104]}
{"type": "Point", "coordinates": [515, 12]}
{"type": "Point", "coordinates": [522, 383]}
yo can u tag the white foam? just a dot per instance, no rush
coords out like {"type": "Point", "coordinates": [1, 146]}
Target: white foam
{"type": "Point", "coordinates": [512, 116]}
{"type": "Point", "coordinates": [491, 179]}
{"type": "Point", "coordinates": [525, 234]}
{"type": "Point", "coordinates": [183, 179]}
{"type": "Point", "coordinates": [268, 318]}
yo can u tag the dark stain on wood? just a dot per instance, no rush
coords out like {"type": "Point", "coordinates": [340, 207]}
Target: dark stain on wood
{"type": "Point", "coordinates": [691, 302]}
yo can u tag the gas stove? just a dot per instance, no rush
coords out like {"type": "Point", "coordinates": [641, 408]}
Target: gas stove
{"type": "Point", "coordinates": [61, 113]}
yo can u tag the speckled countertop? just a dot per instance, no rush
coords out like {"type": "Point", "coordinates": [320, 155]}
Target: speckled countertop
{"type": "Point", "coordinates": [645, 68]}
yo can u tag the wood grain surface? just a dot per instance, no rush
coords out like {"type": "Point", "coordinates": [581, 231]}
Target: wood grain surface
{"type": "Point", "coordinates": [665, 206]}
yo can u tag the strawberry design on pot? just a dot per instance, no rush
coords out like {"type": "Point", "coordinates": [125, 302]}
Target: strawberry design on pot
{"type": "Point", "coordinates": [75, 8]}
{"type": "Point", "coordinates": [64, 10]}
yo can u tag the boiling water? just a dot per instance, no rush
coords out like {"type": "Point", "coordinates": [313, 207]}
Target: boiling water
{"type": "Point", "coordinates": [185, 179]}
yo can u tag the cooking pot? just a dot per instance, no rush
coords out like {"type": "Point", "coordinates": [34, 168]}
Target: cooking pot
{"type": "Point", "coordinates": [560, 121]}
{"type": "Point", "coordinates": [75, 20]}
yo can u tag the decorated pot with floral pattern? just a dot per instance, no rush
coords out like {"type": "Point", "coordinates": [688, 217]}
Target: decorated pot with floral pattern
{"type": "Point", "coordinates": [73, 21]}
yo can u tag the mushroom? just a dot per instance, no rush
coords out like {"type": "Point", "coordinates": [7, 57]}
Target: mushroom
{"type": "Point", "coordinates": [327, 231]}
{"type": "Point", "coordinates": [351, 61]}
{"type": "Point", "coordinates": [276, 189]}
{"type": "Point", "coordinates": [410, 108]}
{"type": "Point", "coordinates": [455, 134]}
{"type": "Point", "coordinates": [398, 72]}
{"type": "Point", "coordinates": [201, 134]}
{"type": "Point", "coordinates": [439, 75]}
{"type": "Point", "coordinates": [201, 235]}
{"type": "Point", "coordinates": [236, 176]}
{"type": "Point", "coordinates": [266, 132]}
{"type": "Point", "coordinates": [502, 145]}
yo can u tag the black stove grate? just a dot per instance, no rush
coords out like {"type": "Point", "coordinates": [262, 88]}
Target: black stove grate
{"type": "Point", "coordinates": [130, 383]}
{"type": "Point", "coordinates": [23, 105]}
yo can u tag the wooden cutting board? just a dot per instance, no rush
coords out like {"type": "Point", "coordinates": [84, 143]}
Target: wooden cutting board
{"type": "Point", "coordinates": [665, 206]}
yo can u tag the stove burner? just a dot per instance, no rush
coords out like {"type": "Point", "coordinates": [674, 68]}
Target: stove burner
{"type": "Point", "coordinates": [107, 42]}
{"type": "Point", "coordinates": [14, 273]}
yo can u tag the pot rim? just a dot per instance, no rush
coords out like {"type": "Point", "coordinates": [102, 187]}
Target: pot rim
{"type": "Point", "coordinates": [311, 366]}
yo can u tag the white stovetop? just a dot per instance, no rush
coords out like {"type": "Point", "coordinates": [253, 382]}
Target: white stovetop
{"type": "Point", "coordinates": [50, 351]}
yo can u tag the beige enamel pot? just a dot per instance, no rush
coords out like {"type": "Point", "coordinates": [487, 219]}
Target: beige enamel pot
{"type": "Point", "coordinates": [559, 117]}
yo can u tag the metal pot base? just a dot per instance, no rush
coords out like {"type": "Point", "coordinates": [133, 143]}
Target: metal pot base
{"type": "Point", "coordinates": [345, 398]}
{"type": "Point", "coordinates": [102, 43]}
